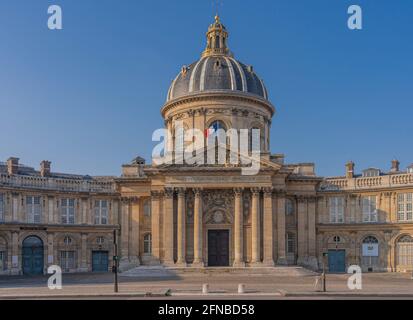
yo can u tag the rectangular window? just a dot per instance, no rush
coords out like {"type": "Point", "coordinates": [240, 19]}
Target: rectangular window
{"type": "Point", "coordinates": [33, 209]}
{"type": "Point", "coordinates": [67, 210]}
{"type": "Point", "coordinates": [67, 260]}
{"type": "Point", "coordinates": [2, 207]}
{"type": "Point", "coordinates": [369, 209]}
{"type": "Point", "coordinates": [336, 209]}
{"type": "Point", "coordinates": [290, 243]}
{"type": "Point", "coordinates": [2, 260]}
{"type": "Point", "coordinates": [405, 207]}
{"type": "Point", "coordinates": [101, 212]}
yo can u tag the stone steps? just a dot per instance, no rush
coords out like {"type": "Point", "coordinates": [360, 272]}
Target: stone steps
{"type": "Point", "coordinates": [161, 271]}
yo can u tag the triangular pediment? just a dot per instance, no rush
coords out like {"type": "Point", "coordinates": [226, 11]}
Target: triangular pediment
{"type": "Point", "coordinates": [243, 160]}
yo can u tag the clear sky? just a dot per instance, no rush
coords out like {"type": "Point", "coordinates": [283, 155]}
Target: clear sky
{"type": "Point", "coordinates": [88, 97]}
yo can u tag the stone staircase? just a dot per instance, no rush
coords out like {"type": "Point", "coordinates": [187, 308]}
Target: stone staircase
{"type": "Point", "coordinates": [161, 271]}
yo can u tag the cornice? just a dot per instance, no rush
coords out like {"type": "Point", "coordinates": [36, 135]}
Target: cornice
{"type": "Point", "coordinates": [218, 94]}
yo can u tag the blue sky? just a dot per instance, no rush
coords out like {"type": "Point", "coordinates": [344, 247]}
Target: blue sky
{"type": "Point", "coordinates": [88, 97]}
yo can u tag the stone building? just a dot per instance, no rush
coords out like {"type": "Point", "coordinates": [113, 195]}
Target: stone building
{"type": "Point", "coordinates": [208, 215]}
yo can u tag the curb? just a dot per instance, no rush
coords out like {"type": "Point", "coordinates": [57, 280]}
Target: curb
{"type": "Point", "coordinates": [74, 296]}
{"type": "Point", "coordinates": [346, 294]}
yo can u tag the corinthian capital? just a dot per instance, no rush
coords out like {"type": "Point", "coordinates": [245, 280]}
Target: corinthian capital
{"type": "Point", "coordinates": [238, 191]}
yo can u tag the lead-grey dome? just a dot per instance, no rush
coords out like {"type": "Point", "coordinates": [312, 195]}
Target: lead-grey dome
{"type": "Point", "coordinates": [217, 70]}
{"type": "Point", "coordinates": [216, 73]}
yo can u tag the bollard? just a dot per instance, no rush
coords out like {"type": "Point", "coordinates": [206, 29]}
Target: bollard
{"type": "Point", "coordinates": [205, 288]}
{"type": "Point", "coordinates": [241, 288]}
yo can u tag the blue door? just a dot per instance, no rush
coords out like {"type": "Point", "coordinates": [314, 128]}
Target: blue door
{"type": "Point", "coordinates": [32, 256]}
{"type": "Point", "coordinates": [100, 261]}
{"type": "Point", "coordinates": [337, 261]}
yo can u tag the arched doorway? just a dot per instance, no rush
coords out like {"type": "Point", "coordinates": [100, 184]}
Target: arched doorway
{"type": "Point", "coordinates": [404, 253]}
{"type": "Point", "coordinates": [33, 256]}
{"type": "Point", "coordinates": [370, 254]}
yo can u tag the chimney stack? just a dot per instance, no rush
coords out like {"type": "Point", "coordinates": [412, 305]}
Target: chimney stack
{"type": "Point", "coordinates": [12, 165]}
{"type": "Point", "coordinates": [350, 170]}
{"type": "Point", "coordinates": [395, 166]}
{"type": "Point", "coordinates": [45, 168]}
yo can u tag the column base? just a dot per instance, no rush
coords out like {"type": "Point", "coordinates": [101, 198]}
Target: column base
{"type": "Point", "coordinates": [312, 263]}
{"type": "Point", "coordinates": [180, 264]}
{"type": "Point", "coordinates": [238, 264]}
{"type": "Point", "coordinates": [126, 264]}
{"type": "Point", "coordinates": [168, 263]}
{"type": "Point", "coordinates": [197, 264]}
{"type": "Point", "coordinates": [256, 264]}
{"type": "Point", "coordinates": [282, 261]}
{"type": "Point", "coordinates": [268, 263]}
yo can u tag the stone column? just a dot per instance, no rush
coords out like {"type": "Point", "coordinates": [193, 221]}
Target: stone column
{"type": "Point", "coordinates": [198, 259]}
{"type": "Point", "coordinates": [238, 230]}
{"type": "Point", "coordinates": [393, 207]}
{"type": "Point", "coordinates": [255, 226]}
{"type": "Point", "coordinates": [16, 262]}
{"type": "Point", "coordinates": [168, 227]}
{"type": "Point", "coordinates": [83, 258]}
{"type": "Point", "coordinates": [268, 227]}
{"type": "Point", "coordinates": [124, 239]}
{"type": "Point", "coordinates": [134, 237]}
{"type": "Point", "coordinates": [312, 239]}
{"type": "Point", "coordinates": [282, 257]}
{"type": "Point", "coordinates": [302, 234]}
{"type": "Point", "coordinates": [50, 259]}
{"type": "Point", "coordinates": [155, 226]}
{"type": "Point", "coordinates": [181, 228]}
{"type": "Point", "coordinates": [83, 207]}
{"type": "Point", "coordinates": [15, 207]}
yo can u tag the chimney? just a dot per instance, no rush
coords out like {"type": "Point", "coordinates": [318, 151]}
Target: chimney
{"type": "Point", "coordinates": [45, 168]}
{"type": "Point", "coordinates": [12, 165]}
{"type": "Point", "coordinates": [395, 166]}
{"type": "Point", "coordinates": [350, 170]}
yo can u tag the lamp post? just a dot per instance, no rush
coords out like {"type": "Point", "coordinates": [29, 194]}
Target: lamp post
{"type": "Point", "coordinates": [115, 261]}
{"type": "Point", "coordinates": [325, 255]}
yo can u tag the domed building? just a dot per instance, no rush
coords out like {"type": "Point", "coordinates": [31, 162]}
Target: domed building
{"type": "Point", "coordinates": [211, 214]}
{"type": "Point", "coordinates": [217, 197]}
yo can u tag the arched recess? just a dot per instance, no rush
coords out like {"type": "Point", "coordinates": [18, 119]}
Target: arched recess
{"type": "Point", "coordinates": [404, 253]}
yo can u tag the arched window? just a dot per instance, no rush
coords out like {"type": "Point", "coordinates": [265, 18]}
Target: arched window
{"type": "Point", "coordinates": [337, 239]}
{"type": "Point", "coordinates": [216, 135]}
{"type": "Point", "coordinates": [147, 208]}
{"type": "Point", "coordinates": [289, 207]}
{"type": "Point", "coordinates": [67, 241]}
{"type": "Point", "coordinates": [370, 253]}
{"type": "Point", "coordinates": [147, 244]}
{"type": "Point", "coordinates": [370, 239]}
{"type": "Point", "coordinates": [405, 252]}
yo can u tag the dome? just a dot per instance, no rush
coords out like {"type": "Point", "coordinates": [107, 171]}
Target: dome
{"type": "Point", "coordinates": [217, 71]}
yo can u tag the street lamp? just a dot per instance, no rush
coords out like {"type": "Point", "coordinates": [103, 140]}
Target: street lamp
{"type": "Point", "coordinates": [325, 255]}
{"type": "Point", "coordinates": [115, 261]}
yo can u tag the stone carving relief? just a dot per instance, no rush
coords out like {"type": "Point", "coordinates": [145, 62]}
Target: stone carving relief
{"type": "Point", "coordinates": [218, 207]}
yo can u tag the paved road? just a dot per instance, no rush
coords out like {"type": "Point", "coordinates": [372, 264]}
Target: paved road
{"type": "Point", "coordinates": [186, 285]}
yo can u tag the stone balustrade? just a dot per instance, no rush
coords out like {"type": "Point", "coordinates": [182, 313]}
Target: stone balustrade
{"type": "Point", "coordinates": [361, 183]}
{"type": "Point", "coordinates": [59, 184]}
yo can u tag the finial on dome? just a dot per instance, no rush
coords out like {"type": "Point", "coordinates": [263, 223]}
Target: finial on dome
{"type": "Point", "coordinates": [217, 37]}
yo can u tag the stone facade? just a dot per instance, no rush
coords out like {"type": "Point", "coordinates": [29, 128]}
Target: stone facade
{"type": "Point", "coordinates": [204, 215]}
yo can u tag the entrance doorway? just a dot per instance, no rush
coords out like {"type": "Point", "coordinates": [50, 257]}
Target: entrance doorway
{"type": "Point", "coordinates": [337, 261]}
{"type": "Point", "coordinates": [100, 261]}
{"type": "Point", "coordinates": [33, 256]}
{"type": "Point", "coordinates": [218, 248]}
